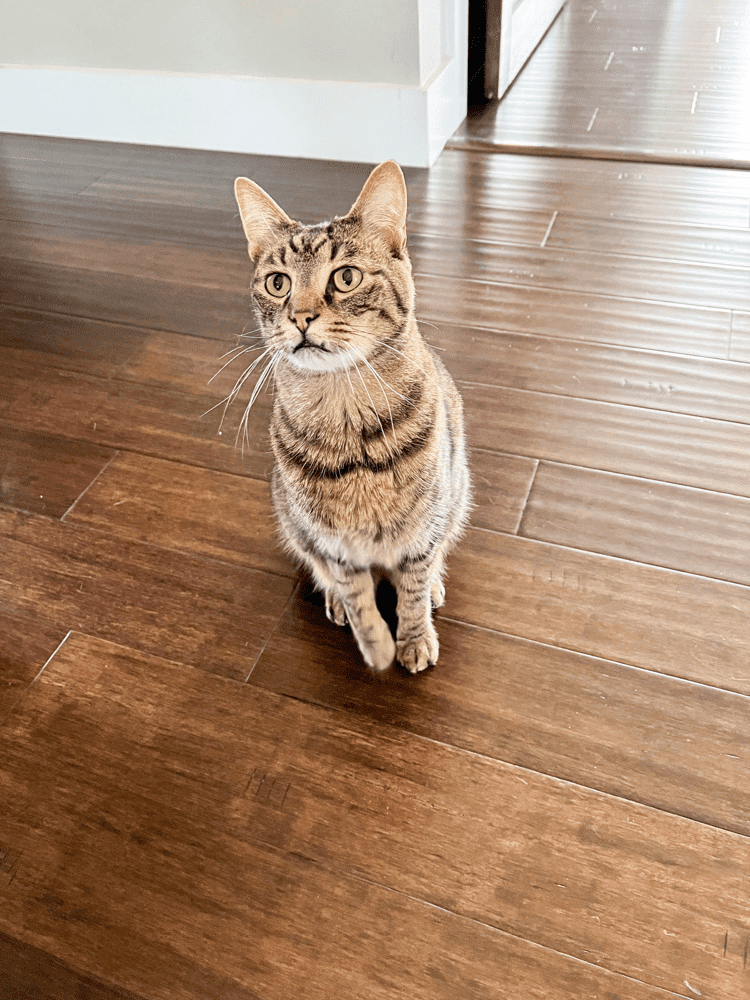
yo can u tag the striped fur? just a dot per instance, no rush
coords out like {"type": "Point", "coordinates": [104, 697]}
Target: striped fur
{"type": "Point", "coordinates": [367, 425]}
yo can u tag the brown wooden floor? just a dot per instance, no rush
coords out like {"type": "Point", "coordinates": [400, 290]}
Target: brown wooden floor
{"type": "Point", "coordinates": [647, 80]}
{"type": "Point", "coordinates": [204, 793]}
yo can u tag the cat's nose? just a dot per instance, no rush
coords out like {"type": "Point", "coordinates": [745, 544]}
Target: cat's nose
{"type": "Point", "coordinates": [303, 319]}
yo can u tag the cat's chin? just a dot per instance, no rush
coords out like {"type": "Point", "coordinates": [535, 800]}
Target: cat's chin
{"type": "Point", "coordinates": [312, 360]}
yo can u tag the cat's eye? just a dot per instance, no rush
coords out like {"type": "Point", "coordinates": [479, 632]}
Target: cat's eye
{"type": "Point", "coordinates": [346, 278]}
{"type": "Point", "coordinates": [278, 284]}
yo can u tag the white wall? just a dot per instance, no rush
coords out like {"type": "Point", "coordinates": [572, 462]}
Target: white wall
{"type": "Point", "coordinates": [374, 41]}
{"type": "Point", "coordinates": [342, 79]}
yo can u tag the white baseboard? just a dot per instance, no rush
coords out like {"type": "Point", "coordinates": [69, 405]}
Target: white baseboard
{"type": "Point", "coordinates": [361, 122]}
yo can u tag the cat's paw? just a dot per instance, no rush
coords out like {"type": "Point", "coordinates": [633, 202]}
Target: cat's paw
{"type": "Point", "coordinates": [437, 593]}
{"type": "Point", "coordinates": [335, 609]}
{"type": "Point", "coordinates": [380, 655]}
{"type": "Point", "coordinates": [418, 653]}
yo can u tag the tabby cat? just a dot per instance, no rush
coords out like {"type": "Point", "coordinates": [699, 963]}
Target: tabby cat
{"type": "Point", "coordinates": [367, 426]}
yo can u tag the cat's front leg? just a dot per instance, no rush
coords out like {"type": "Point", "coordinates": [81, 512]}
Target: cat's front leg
{"type": "Point", "coordinates": [416, 639]}
{"type": "Point", "coordinates": [356, 590]}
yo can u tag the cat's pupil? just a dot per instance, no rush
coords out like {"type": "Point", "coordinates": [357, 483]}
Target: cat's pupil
{"type": "Point", "coordinates": [346, 276]}
{"type": "Point", "coordinates": [278, 282]}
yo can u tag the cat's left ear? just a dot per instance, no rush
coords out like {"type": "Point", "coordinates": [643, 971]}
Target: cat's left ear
{"type": "Point", "coordinates": [261, 216]}
{"type": "Point", "coordinates": [382, 204]}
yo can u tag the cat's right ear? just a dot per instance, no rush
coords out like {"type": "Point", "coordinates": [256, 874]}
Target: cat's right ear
{"type": "Point", "coordinates": [261, 216]}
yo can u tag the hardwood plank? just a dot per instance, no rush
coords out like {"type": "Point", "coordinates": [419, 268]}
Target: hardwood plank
{"type": "Point", "coordinates": [315, 189]}
{"type": "Point", "coordinates": [660, 381]}
{"type": "Point", "coordinates": [606, 607]}
{"type": "Point", "coordinates": [71, 342]}
{"type": "Point", "coordinates": [501, 485]}
{"type": "Point", "coordinates": [213, 227]}
{"type": "Point", "coordinates": [190, 364]}
{"type": "Point", "coordinates": [138, 417]}
{"type": "Point", "coordinates": [653, 239]}
{"type": "Point", "coordinates": [25, 646]}
{"type": "Point", "coordinates": [555, 312]}
{"type": "Point", "coordinates": [28, 973]}
{"type": "Point", "coordinates": [667, 743]}
{"type": "Point", "coordinates": [157, 260]}
{"type": "Point", "coordinates": [650, 444]}
{"type": "Point", "coordinates": [597, 188]}
{"type": "Point", "coordinates": [740, 349]}
{"type": "Point", "coordinates": [187, 509]}
{"type": "Point", "coordinates": [36, 163]}
{"type": "Point", "coordinates": [533, 856]}
{"type": "Point", "coordinates": [115, 298]}
{"type": "Point", "coordinates": [686, 282]}
{"type": "Point", "coordinates": [46, 473]}
{"type": "Point", "coordinates": [686, 529]}
{"type": "Point", "coordinates": [168, 603]}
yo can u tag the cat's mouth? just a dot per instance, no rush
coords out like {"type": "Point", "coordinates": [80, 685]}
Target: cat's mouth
{"type": "Point", "coordinates": [309, 344]}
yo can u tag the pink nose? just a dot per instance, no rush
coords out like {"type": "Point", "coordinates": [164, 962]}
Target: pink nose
{"type": "Point", "coordinates": [303, 319]}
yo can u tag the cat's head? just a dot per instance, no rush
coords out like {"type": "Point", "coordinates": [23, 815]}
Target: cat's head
{"type": "Point", "coordinates": [328, 294]}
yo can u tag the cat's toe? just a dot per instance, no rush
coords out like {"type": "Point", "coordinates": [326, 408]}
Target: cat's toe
{"type": "Point", "coordinates": [335, 609]}
{"type": "Point", "coordinates": [437, 593]}
{"type": "Point", "coordinates": [419, 653]}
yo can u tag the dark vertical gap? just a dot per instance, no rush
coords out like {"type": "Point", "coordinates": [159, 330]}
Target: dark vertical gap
{"type": "Point", "coordinates": [477, 50]}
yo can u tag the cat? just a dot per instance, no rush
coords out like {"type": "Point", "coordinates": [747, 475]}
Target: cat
{"type": "Point", "coordinates": [367, 426]}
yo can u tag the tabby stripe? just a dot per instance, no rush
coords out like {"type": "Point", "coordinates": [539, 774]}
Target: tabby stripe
{"type": "Point", "coordinates": [393, 419]}
{"type": "Point", "coordinates": [414, 560]}
{"type": "Point", "coordinates": [300, 435]}
{"type": "Point", "coordinates": [317, 470]}
{"type": "Point", "coordinates": [390, 340]}
{"type": "Point", "coordinates": [314, 247]}
{"type": "Point", "coordinates": [293, 245]}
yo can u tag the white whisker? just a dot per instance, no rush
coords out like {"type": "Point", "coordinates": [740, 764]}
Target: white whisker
{"type": "Point", "coordinates": [237, 386]}
{"type": "Point", "coordinates": [241, 351]}
{"type": "Point", "coordinates": [375, 411]}
{"type": "Point", "coordinates": [242, 430]}
{"type": "Point", "coordinates": [406, 357]}
{"type": "Point", "coordinates": [378, 376]}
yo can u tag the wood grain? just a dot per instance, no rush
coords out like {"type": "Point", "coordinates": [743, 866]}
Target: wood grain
{"type": "Point", "coordinates": [501, 485]}
{"type": "Point", "coordinates": [684, 282]}
{"type": "Point", "coordinates": [204, 613]}
{"type": "Point", "coordinates": [46, 473]}
{"type": "Point", "coordinates": [66, 342]}
{"type": "Point", "coordinates": [557, 312]}
{"type": "Point", "coordinates": [185, 509]}
{"type": "Point", "coordinates": [225, 268]}
{"type": "Point", "coordinates": [653, 239]}
{"type": "Point", "coordinates": [116, 298]}
{"type": "Point", "coordinates": [590, 188]}
{"type": "Point", "coordinates": [526, 851]}
{"type": "Point", "coordinates": [695, 531]}
{"type": "Point", "coordinates": [672, 447]}
{"type": "Point", "coordinates": [698, 386]}
{"type": "Point", "coordinates": [140, 417]}
{"type": "Point", "coordinates": [675, 746]}
{"type": "Point", "coordinates": [247, 902]}
{"type": "Point", "coordinates": [603, 606]}
{"type": "Point", "coordinates": [28, 973]}
{"type": "Point", "coordinates": [25, 646]}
